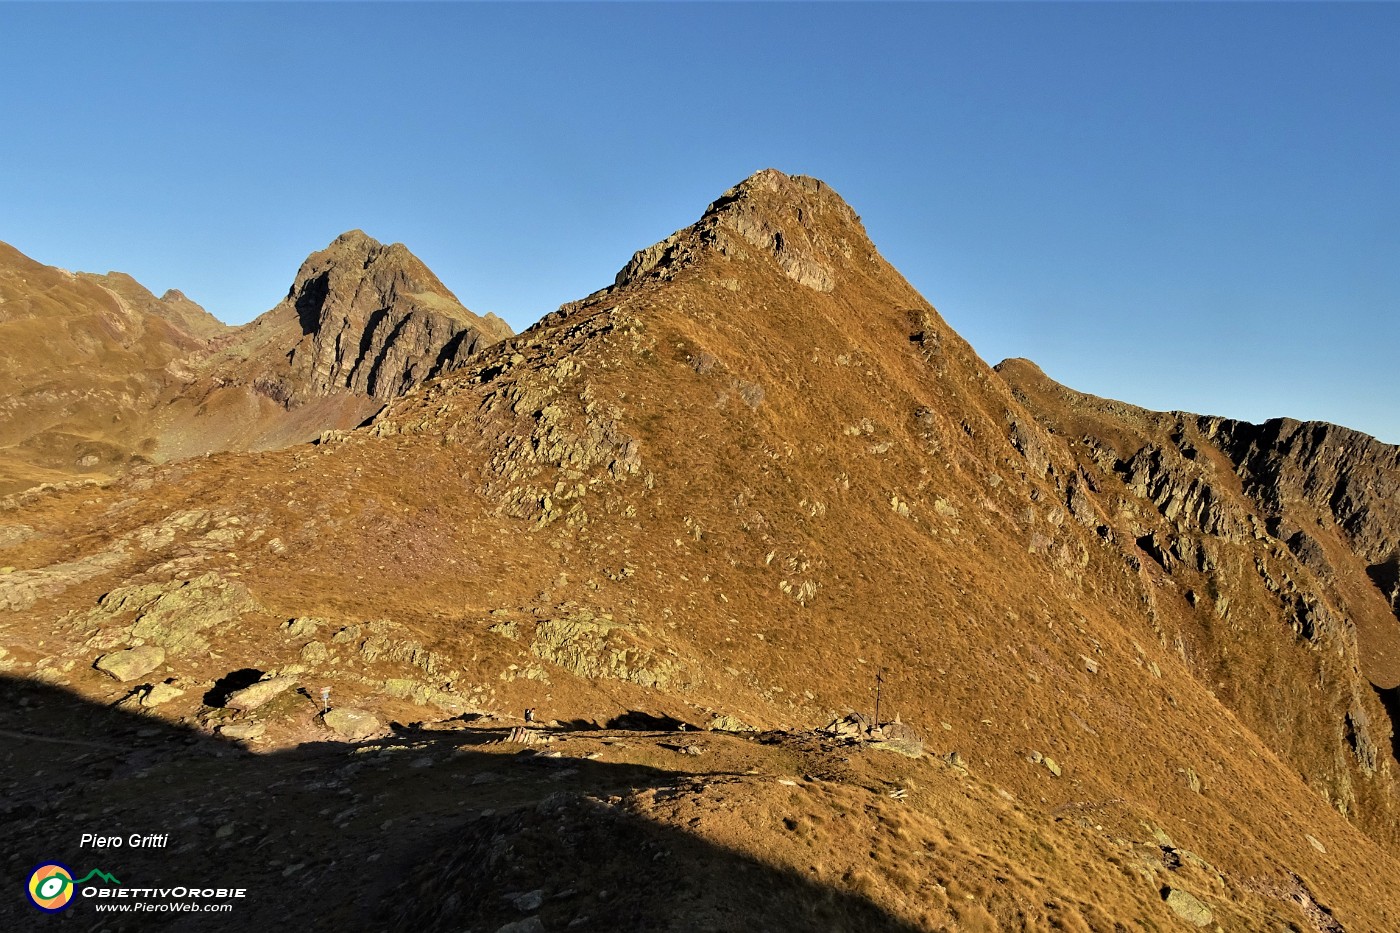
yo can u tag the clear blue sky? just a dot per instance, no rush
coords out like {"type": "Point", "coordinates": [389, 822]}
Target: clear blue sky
{"type": "Point", "coordinates": [1181, 206]}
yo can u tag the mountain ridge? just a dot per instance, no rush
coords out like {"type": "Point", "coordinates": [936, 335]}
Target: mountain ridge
{"type": "Point", "coordinates": [715, 493]}
{"type": "Point", "coordinates": [320, 360]}
{"type": "Point", "coordinates": [84, 358]}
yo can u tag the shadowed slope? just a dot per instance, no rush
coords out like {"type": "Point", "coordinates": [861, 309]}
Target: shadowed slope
{"type": "Point", "coordinates": [319, 837]}
{"type": "Point", "coordinates": [443, 827]}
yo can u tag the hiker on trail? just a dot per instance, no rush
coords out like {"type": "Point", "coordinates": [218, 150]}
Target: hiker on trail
{"type": "Point", "coordinates": [530, 714]}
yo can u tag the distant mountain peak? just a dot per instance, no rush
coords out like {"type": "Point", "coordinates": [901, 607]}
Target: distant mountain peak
{"type": "Point", "coordinates": [186, 315]}
{"type": "Point", "coordinates": [354, 252]}
{"type": "Point", "coordinates": [355, 236]}
{"type": "Point", "coordinates": [375, 320]}
{"type": "Point", "coordinates": [799, 223]}
{"type": "Point", "coordinates": [773, 192]}
{"type": "Point", "coordinates": [1019, 364]}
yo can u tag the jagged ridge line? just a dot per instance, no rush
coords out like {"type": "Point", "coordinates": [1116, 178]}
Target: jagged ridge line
{"type": "Point", "coordinates": [99, 873]}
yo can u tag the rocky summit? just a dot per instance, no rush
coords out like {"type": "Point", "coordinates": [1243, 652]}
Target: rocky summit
{"type": "Point", "coordinates": [739, 594]}
{"type": "Point", "coordinates": [376, 321]}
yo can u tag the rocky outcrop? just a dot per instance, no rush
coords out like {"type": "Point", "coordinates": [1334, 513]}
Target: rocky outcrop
{"type": "Point", "coordinates": [178, 616]}
{"type": "Point", "coordinates": [1312, 482]}
{"type": "Point", "coordinates": [597, 647]}
{"type": "Point", "coordinates": [376, 321]}
{"type": "Point", "coordinates": [21, 588]}
{"type": "Point", "coordinates": [1275, 535]}
{"type": "Point", "coordinates": [1181, 489]}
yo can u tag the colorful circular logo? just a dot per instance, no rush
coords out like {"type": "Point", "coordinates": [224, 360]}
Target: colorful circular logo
{"type": "Point", "coordinates": [51, 887]}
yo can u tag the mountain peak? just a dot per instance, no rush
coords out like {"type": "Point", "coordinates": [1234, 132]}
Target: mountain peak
{"type": "Point", "coordinates": [1020, 364]}
{"type": "Point", "coordinates": [798, 222]}
{"type": "Point", "coordinates": [355, 252]}
{"type": "Point", "coordinates": [376, 320]}
{"type": "Point", "coordinates": [770, 190]}
{"type": "Point", "coordinates": [334, 276]}
{"type": "Point", "coordinates": [355, 237]}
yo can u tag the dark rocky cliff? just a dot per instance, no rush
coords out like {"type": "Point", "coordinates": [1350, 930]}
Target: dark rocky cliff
{"type": "Point", "coordinates": [376, 321]}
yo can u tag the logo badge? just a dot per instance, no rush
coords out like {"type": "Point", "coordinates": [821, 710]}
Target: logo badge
{"type": "Point", "coordinates": [50, 887]}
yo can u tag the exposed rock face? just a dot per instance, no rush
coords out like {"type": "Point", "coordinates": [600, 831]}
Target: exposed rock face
{"type": "Point", "coordinates": [1348, 476]}
{"type": "Point", "coordinates": [376, 321]}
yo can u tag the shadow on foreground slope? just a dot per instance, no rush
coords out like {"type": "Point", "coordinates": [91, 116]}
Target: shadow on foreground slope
{"type": "Point", "coordinates": [422, 833]}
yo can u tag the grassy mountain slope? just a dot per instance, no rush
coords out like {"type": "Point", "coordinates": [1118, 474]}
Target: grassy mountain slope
{"type": "Point", "coordinates": [730, 489]}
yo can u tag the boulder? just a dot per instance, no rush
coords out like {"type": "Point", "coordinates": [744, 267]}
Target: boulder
{"type": "Point", "coordinates": [528, 925]}
{"type": "Point", "coordinates": [159, 694]}
{"type": "Point", "coordinates": [352, 723]}
{"type": "Point", "coordinates": [528, 902]}
{"type": "Point", "coordinates": [242, 730]}
{"type": "Point", "coordinates": [131, 663]}
{"type": "Point", "coordinates": [1188, 907]}
{"type": "Point", "coordinates": [250, 698]}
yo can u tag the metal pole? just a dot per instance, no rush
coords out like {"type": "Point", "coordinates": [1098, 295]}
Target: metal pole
{"type": "Point", "coordinates": [879, 680]}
